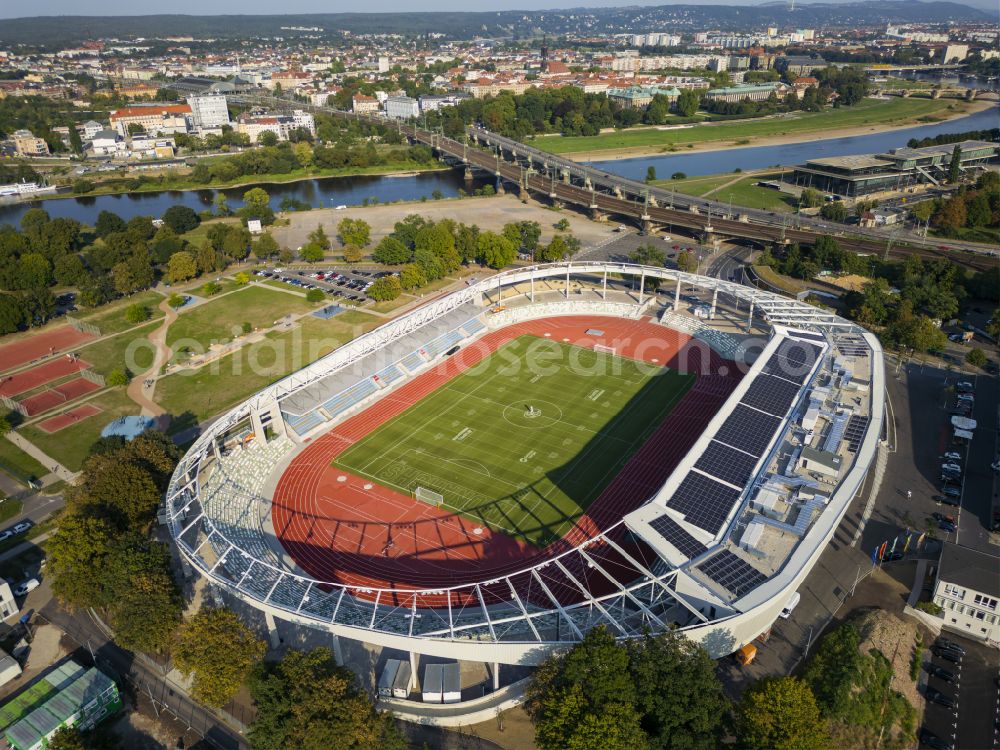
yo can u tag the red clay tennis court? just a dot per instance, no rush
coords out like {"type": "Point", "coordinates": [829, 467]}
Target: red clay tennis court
{"type": "Point", "coordinates": [57, 340]}
{"type": "Point", "coordinates": [61, 394]}
{"type": "Point", "coordinates": [343, 528]}
{"type": "Point", "coordinates": [11, 385]}
{"type": "Point", "coordinates": [67, 418]}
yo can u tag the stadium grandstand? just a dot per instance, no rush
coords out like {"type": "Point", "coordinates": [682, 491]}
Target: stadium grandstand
{"type": "Point", "coordinates": [427, 488]}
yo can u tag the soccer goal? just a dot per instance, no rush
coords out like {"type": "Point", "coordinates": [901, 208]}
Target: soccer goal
{"type": "Point", "coordinates": [605, 349]}
{"type": "Point", "coordinates": [430, 497]}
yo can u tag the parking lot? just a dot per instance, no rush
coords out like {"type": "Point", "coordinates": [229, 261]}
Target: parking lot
{"type": "Point", "coordinates": [346, 285]}
{"type": "Point", "coordinates": [962, 696]}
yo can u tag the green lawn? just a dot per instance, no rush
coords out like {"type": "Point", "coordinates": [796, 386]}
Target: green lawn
{"type": "Point", "coordinates": [868, 112]}
{"type": "Point", "coordinates": [131, 349]}
{"type": "Point", "coordinates": [71, 445]}
{"type": "Point", "coordinates": [742, 192]}
{"type": "Point", "coordinates": [227, 381]}
{"type": "Point", "coordinates": [524, 450]}
{"type": "Point", "coordinates": [697, 185]}
{"type": "Point", "coordinates": [111, 318]}
{"type": "Point", "coordinates": [19, 464]}
{"type": "Point", "coordinates": [214, 321]}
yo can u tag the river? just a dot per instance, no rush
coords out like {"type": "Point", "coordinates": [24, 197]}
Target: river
{"type": "Point", "coordinates": [351, 191]}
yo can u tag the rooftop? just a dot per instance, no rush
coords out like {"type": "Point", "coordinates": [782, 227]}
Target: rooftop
{"type": "Point", "coordinates": [969, 568]}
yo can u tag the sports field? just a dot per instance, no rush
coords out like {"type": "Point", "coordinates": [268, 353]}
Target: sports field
{"type": "Point", "coordinates": [525, 441]}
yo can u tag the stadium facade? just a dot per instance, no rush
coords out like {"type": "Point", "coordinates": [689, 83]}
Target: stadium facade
{"type": "Point", "coordinates": [716, 551]}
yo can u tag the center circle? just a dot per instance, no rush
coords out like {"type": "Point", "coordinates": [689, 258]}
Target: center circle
{"type": "Point", "coordinates": [532, 413]}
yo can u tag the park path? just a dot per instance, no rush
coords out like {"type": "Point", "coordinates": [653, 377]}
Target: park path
{"type": "Point", "coordinates": [141, 390]}
{"type": "Point", "coordinates": [41, 456]}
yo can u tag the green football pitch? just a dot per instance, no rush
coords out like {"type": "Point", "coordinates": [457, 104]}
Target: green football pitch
{"type": "Point", "coordinates": [526, 440]}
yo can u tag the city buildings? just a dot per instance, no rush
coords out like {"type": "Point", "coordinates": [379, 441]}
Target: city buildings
{"type": "Point", "coordinates": [209, 111]}
{"type": "Point", "coordinates": [401, 107]}
{"type": "Point", "coordinates": [751, 93]}
{"type": "Point", "coordinates": [156, 119]}
{"type": "Point", "coordinates": [968, 589]}
{"type": "Point", "coordinates": [26, 144]}
{"type": "Point", "coordinates": [281, 125]}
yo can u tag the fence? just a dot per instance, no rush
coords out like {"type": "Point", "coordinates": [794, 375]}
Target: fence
{"type": "Point", "coordinates": [83, 327]}
{"type": "Point", "coordinates": [93, 377]}
{"type": "Point", "coordinates": [11, 405]}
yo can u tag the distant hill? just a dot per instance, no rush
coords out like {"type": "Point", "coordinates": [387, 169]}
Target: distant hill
{"type": "Point", "coordinates": [52, 31]}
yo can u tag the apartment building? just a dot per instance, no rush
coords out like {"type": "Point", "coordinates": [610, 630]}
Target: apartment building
{"type": "Point", "coordinates": [968, 591]}
{"type": "Point", "coordinates": [209, 111]}
{"type": "Point", "coordinates": [281, 125]}
{"type": "Point", "coordinates": [155, 119]}
{"type": "Point", "coordinates": [753, 93]}
{"type": "Point", "coordinates": [26, 144]}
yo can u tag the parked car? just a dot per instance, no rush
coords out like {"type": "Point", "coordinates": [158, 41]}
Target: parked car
{"type": "Point", "coordinates": [943, 517]}
{"type": "Point", "coordinates": [936, 696]}
{"type": "Point", "coordinates": [940, 672]}
{"type": "Point", "coordinates": [947, 526]}
{"type": "Point", "coordinates": [953, 656]}
{"type": "Point", "coordinates": [952, 456]}
{"type": "Point", "coordinates": [30, 585]}
{"type": "Point", "coordinates": [932, 741]}
{"type": "Point", "coordinates": [793, 602]}
{"type": "Point", "coordinates": [964, 386]}
{"type": "Point", "coordinates": [950, 645]}
{"type": "Point", "coordinates": [954, 502]}
{"type": "Point", "coordinates": [20, 528]}
{"type": "Point", "coordinates": [951, 490]}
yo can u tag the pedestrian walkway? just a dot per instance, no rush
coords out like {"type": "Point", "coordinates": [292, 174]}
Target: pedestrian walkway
{"type": "Point", "coordinates": [141, 390]}
{"type": "Point", "coordinates": [39, 455]}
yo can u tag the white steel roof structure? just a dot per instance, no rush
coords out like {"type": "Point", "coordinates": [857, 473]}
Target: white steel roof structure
{"type": "Point", "coordinates": [521, 617]}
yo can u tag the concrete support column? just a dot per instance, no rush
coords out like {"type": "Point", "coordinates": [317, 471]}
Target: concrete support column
{"type": "Point", "coordinates": [750, 316]}
{"type": "Point", "coordinates": [277, 423]}
{"type": "Point", "coordinates": [468, 174]}
{"type": "Point", "coordinates": [522, 193]}
{"type": "Point", "coordinates": [272, 630]}
{"type": "Point", "coordinates": [258, 428]}
{"type": "Point", "coordinates": [677, 295]}
{"type": "Point", "coordinates": [414, 663]}
{"type": "Point", "coordinates": [567, 283]}
{"type": "Point", "coordinates": [715, 300]}
{"type": "Point", "coordinates": [642, 286]}
{"type": "Point", "coordinates": [532, 288]}
{"type": "Point", "coordinates": [499, 291]}
{"type": "Point", "coordinates": [215, 449]}
{"type": "Point", "coordinates": [500, 188]}
{"type": "Point", "coordinates": [496, 676]}
{"type": "Point", "coordinates": [338, 654]}
{"type": "Point", "coordinates": [604, 288]}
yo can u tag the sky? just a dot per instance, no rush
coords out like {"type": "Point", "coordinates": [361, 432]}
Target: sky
{"type": "Point", "coordinates": [268, 7]}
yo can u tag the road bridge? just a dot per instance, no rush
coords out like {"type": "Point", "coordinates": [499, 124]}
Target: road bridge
{"type": "Point", "coordinates": [604, 194]}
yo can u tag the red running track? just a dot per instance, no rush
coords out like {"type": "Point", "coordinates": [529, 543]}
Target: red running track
{"type": "Point", "coordinates": [11, 385]}
{"type": "Point", "coordinates": [41, 345]}
{"type": "Point", "coordinates": [342, 528]}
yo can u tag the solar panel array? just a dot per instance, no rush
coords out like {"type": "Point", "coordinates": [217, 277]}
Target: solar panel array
{"type": "Point", "coordinates": [704, 502]}
{"type": "Point", "coordinates": [728, 464]}
{"type": "Point", "coordinates": [733, 573]}
{"type": "Point", "coordinates": [748, 429]}
{"type": "Point", "coordinates": [670, 530]}
{"type": "Point", "coordinates": [819, 338]}
{"type": "Point", "coordinates": [770, 394]}
{"type": "Point", "coordinates": [851, 345]}
{"type": "Point", "coordinates": [855, 432]}
{"type": "Point", "coordinates": [792, 360]}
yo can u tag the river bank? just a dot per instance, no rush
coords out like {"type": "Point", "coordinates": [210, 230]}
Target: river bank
{"type": "Point", "coordinates": [966, 109]}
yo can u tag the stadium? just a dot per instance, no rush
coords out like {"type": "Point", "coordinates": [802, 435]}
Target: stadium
{"type": "Point", "coordinates": [549, 449]}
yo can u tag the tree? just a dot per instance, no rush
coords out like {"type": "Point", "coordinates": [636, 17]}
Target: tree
{"type": "Point", "coordinates": [650, 173]}
{"type": "Point", "coordinates": [976, 358]}
{"type": "Point", "coordinates": [307, 702]}
{"type": "Point", "coordinates": [554, 251]}
{"type": "Point", "coordinates": [648, 255]}
{"type": "Point", "coordinates": [496, 250]}
{"type": "Point", "coordinates": [33, 271]}
{"type": "Point", "coordinates": [266, 246]}
{"type": "Point", "coordinates": [303, 154]}
{"type": "Point", "coordinates": [257, 205]}
{"type": "Point", "coordinates": [78, 548]}
{"type": "Point", "coordinates": [318, 237]}
{"type": "Point", "coordinates": [955, 165]}
{"type": "Point", "coordinates": [586, 698]}
{"type": "Point", "coordinates": [119, 376]}
{"type": "Point", "coordinates": [75, 141]}
{"type": "Point", "coordinates": [143, 600]}
{"type": "Point", "coordinates": [686, 261]}
{"type": "Point", "coordinates": [181, 219]}
{"type": "Point", "coordinates": [952, 214]}
{"type": "Point", "coordinates": [355, 232]}
{"type": "Point", "coordinates": [311, 253]}
{"type": "Point", "coordinates": [181, 267]}
{"type": "Point", "coordinates": [562, 225]}
{"type": "Point", "coordinates": [810, 198]}
{"type": "Point", "coordinates": [688, 102]}
{"type": "Point", "coordinates": [12, 313]}
{"type": "Point", "coordinates": [219, 651]}
{"type": "Point", "coordinates": [682, 703]}
{"type": "Point", "coordinates": [242, 278]}
{"type": "Point", "coordinates": [67, 738]}
{"type": "Point", "coordinates": [315, 295]}
{"type": "Point", "coordinates": [391, 251]}
{"type": "Point", "coordinates": [108, 223]}
{"type": "Point", "coordinates": [125, 488]}
{"type": "Point", "coordinates": [780, 713]}
{"type": "Point", "coordinates": [411, 277]}
{"type": "Point", "coordinates": [834, 211]}
{"type": "Point", "coordinates": [268, 138]}
{"type": "Point", "coordinates": [385, 289]}
{"type": "Point", "coordinates": [69, 270]}
{"type": "Point", "coordinates": [353, 254]}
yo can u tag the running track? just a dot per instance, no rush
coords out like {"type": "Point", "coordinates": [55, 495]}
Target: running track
{"type": "Point", "coordinates": [26, 380]}
{"type": "Point", "coordinates": [341, 528]}
{"type": "Point", "coordinates": [40, 345]}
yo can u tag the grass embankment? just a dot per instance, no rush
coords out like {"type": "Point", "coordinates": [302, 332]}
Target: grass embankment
{"type": "Point", "coordinates": [70, 446]}
{"type": "Point", "coordinates": [118, 185]}
{"type": "Point", "coordinates": [741, 191]}
{"type": "Point", "coordinates": [230, 379]}
{"type": "Point", "coordinates": [869, 112]}
{"type": "Point", "coordinates": [111, 318]}
{"type": "Point", "coordinates": [129, 349]}
{"type": "Point", "coordinates": [19, 464]}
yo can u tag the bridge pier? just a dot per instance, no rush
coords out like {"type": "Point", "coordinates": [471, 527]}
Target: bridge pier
{"type": "Point", "coordinates": [468, 174]}
{"type": "Point", "coordinates": [648, 227]}
{"type": "Point", "coordinates": [618, 192]}
{"type": "Point", "coordinates": [500, 188]}
{"type": "Point", "coordinates": [522, 193]}
{"type": "Point", "coordinates": [596, 215]}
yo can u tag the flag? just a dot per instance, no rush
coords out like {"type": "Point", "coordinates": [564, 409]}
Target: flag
{"type": "Point", "coordinates": [920, 541]}
{"type": "Point", "coordinates": [875, 556]}
{"type": "Point", "coordinates": [893, 549]}
{"type": "Point", "coordinates": [906, 547]}
{"type": "Point", "coordinates": [881, 551]}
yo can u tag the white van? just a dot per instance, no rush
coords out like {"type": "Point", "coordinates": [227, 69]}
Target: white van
{"type": "Point", "coordinates": [792, 604]}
